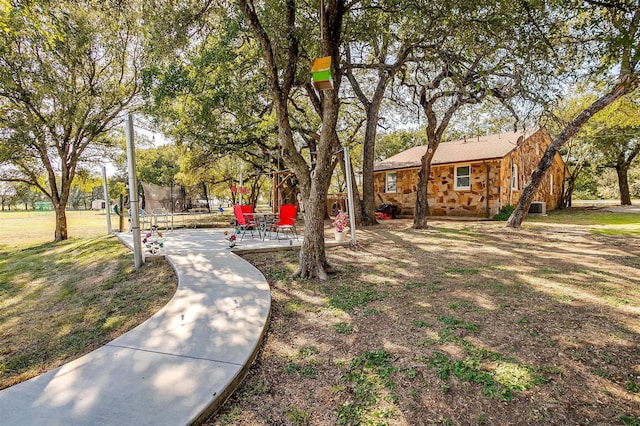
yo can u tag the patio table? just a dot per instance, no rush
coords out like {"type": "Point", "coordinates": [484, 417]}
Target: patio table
{"type": "Point", "coordinates": [264, 220]}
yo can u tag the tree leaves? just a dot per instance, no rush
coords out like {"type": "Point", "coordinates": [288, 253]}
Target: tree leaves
{"type": "Point", "coordinates": [67, 71]}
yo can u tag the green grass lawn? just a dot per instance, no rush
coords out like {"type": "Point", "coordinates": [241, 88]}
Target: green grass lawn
{"type": "Point", "coordinates": [60, 301]}
{"type": "Point", "coordinates": [464, 323]}
{"type": "Point", "coordinates": [19, 229]}
{"type": "Point", "coordinates": [596, 221]}
{"type": "Point", "coordinates": [587, 217]}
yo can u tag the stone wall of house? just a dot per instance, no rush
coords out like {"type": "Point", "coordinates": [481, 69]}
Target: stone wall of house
{"type": "Point", "coordinates": [526, 158]}
{"type": "Point", "coordinates": [444, 200]}
{"type": "Point", "coordinates": [406, 188]}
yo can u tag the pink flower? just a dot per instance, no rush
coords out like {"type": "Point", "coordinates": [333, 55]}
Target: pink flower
{"type": "Point", "coordinates": [341, 221]}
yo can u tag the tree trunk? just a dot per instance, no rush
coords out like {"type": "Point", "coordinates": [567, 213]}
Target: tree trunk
{"type": "Point", "coordinates": [312, 261]}
{"type": "Point", "coordinates": [206, 196]}
{"type": "Point", "coordinates": [368, 158]}
{"type": "Point", "coordinates": [61, 233]}
{"type": "Point", "coordinates": [567, 193]}
{"type": "Point", "coordinates": [313, 187]}
{"type": "Point", "coordinates": [526, 197]}
{"type": "Point", "coordinates": [623, 184]}
{"type": "Point", "coordinates": [422, 202]}
{"type": "Point", "coordinates": [621, 88]}
{"type": "Point", "coordinates": [59, 197]}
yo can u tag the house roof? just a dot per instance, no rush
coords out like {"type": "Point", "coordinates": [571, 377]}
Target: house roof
{"type": "Point", "coordinates": [472, 149]}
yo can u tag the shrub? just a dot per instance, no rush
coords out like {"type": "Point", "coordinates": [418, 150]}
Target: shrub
{"type": "Point", "coordinates": [504, 213]}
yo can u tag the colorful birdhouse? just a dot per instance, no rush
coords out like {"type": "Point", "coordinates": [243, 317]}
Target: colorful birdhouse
{"type": "Point", "coordinates": [321, 71]}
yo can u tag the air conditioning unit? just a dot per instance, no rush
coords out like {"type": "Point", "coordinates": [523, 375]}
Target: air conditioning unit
{"type": "Point", "coordinates": [538, 207]}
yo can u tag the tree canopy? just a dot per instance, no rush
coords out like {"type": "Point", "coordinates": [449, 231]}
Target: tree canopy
{"type": "Point", "coordinates": [606, 39]}
{"type": "Point", "coordinates": [229, 82]}
{"type": "Point", "coordinates": [67, 71]}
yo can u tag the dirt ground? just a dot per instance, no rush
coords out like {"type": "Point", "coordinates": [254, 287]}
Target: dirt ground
{"type": "Point", "coordinates": [460, 324]}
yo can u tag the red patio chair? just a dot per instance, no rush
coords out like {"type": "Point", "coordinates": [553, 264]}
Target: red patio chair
{"type": "Point", "coordinates": [244, 220]}
{"type": "Point", "coordinates": [286, 221]}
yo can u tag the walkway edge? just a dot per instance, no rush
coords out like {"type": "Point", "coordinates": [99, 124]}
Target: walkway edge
{"type": "Point", "coordinates": [222, 397]}
{"type": "Point", "coordinates": [176, 368]}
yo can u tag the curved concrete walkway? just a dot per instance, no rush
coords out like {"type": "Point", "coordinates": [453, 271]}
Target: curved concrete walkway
{"type": "Point", "coordinates": [178, 366]}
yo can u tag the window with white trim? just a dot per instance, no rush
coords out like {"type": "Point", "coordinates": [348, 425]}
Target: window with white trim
{"type": "Point", "coordinates": [462, 178]}
{"type": "Point", "coordinates": [391, 182]}
{"type": "Point", "coordinates": [514, 176]}
{"type": "Point", "coordinates": [551, 183]}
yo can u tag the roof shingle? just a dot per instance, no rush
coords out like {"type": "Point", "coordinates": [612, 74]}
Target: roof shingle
{"type": "Point", "coordinates": [472, 149]}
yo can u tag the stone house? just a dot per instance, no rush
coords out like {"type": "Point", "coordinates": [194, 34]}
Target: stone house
{"type": "Point", "coordinates": [472, 177]}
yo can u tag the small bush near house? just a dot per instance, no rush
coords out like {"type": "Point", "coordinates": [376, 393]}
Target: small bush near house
{"type": "Point", "coordinates": [505, 212]}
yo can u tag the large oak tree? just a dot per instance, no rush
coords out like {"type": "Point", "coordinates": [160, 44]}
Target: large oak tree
{"type": "Point", "coordinates": [609, 36]}
{"type": "Point", "coordinates": [276, 28]}
{"type": "Point", "coordinates": [473, 57]}
{"type": "Point", "coordinates": [380, 42]}
{"type": "Point", "coordinates": [68, 70]}
{"type": "Point", "coordinates": [618, 141]}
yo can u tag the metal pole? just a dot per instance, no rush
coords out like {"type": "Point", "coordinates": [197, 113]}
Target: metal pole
{"type": "Point", "coordinates": [121, 212]}
{"type": "Point", "coordinates": [133, 193]}
{"type": "Point", "coordinates": [173, 203]}
{"type": "Point", "coordinates": [352, 216]}
{"type": "Point", "coordinates": [240, 190]}
{"type": "Point", "coordinates": [107, 206]}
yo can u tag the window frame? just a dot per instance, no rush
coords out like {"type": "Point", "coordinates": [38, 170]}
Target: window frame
{"type": "Point", "coordinates": [457, 187]}
{"type": "Point", "coordinates": [550, 183]}
{"type": "Point", "coordinates": [514, 177]}
{"type": "Point", "coordinates": [395, 183]}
